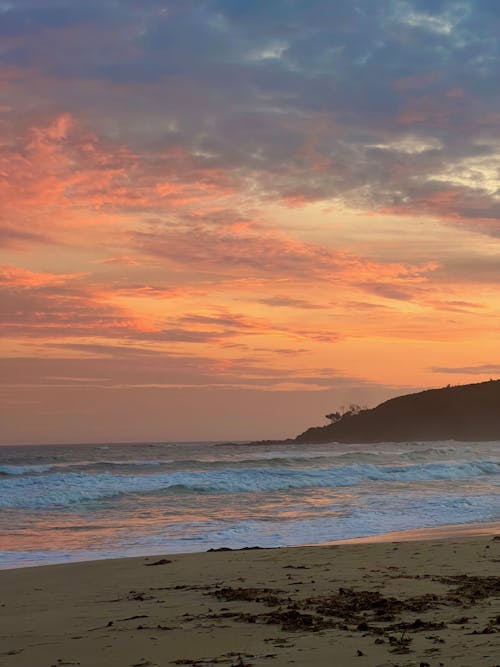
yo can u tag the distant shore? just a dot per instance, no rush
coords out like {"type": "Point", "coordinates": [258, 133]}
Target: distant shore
{"type": "Point", "coordinates": [385, 603]}
{"type": "Point", "coordinates": [464, 413]}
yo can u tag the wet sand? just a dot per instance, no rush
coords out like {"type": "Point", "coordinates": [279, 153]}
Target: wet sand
{"type": "Point", "coordinates": [427, 603]}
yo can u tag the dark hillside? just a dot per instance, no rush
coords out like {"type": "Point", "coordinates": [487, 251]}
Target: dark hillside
{"type": "Point", "coordinates": [466, 412]}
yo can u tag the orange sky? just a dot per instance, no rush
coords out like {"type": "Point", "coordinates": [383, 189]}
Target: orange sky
{"type": "Point", "coordinates": [212, 230]}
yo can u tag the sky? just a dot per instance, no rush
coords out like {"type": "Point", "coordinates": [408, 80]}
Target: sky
{"type": "Point", "coordinates": [222, 219]}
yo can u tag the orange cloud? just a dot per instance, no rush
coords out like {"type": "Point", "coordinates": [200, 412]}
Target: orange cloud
{"type": "Point", "coordinates": [19, 277]}
{"type": "Point", "coordinates": [59, 175]}
{"type": "Point", "coordinates": [121, 259]}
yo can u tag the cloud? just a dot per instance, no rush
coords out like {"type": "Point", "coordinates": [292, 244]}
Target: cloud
{"type": "Point", "coordinates": [217, 249]}
{"type": "Point", "coordinates": [121, 259]}
{"type": "Point", "coordinates": [56, 310]}
{"type": "Point", "coordinates": [12, 238]}
{"type": "Point", "coordinates": [479, 369]}
{"type": "Point", "coordinates": [226, 320]}
{"type": "Point", "coordinates": [120, 367]}
{"type": "Point", "coordinates": [469, 267]}
{"type": "Point", "coordinates": [57, 165]}
{"type": "Point", "coordinates": [390, 291]}
{"type": "Point", "coordinates": [18, 277]}
{"type": "Point", "coordinates": [192, 157]}
{"type": "Point", "coordinates": [289, 302]}
{"type": "Point", "coordinates": [225, 251]}
{"type": "Point", "coordinates": [361, 103]}
{"type": "Point", "coordinates": [458, 306]}
{"type": "Point", "coordinates": [47, 306]}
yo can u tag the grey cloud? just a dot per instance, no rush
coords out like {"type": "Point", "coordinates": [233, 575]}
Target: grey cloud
{"type": "Point", "coordinates": [480, 369]}
{"type": "Point", "coordinates": [220, 252]}
{"type": "Point", "coordinates": [231, 322]}
{"type": "Point", "coordinates": [390, 291]}
{"type": "Point", "coordinates": [118, 368]}
{"type": "Point", "coordinates": [28, 19]}
{"type": "Point", "coordinates": [72, 310]}
{"type": "Point", "coordinates": [10, 237]}
{"type": "Point", "coordinates": [64, 311]}
{"type": "Point", "coordinates": [469, 267]}
{"type": "Point", "coordinates": [287, 302]}
{"type": "Point", "coordinates": [458, 306]}
{"type": "Point", "coordinates": [53, 307]}
{"type": "Point", "coordinates": [365, 306]}
{"type": "Point", "coordinates": [286, 95]}
{"type": "Point", "coordinates": [125, 351]}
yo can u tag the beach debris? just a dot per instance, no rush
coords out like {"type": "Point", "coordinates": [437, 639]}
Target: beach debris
{"type": "Point", "coordinates": [469, 589]}
{"type": "Point", "coordinates": [162, 561]}
{"type": "Point", "coordinates": [348, 604]}
{"type": "Point", "coordinates": [109, 624]}
{"type": "Point", "coordinates": [461, 620]}
{"type": "Point", "coordinates": [417, 626]}
{"type": "Point", "coordinates": [268, 596]}
{"type": "Point", "coordinates": [140, 597]}
{"type": "Point", "coordinates": [230, 549]}
{"type": "Point", "coordinates": [366, 611]}
{"type": "Point", "coordinates": [400, 644]}
{"type": "Point", "coordinates": [293, 620]}
{"type": "Point", "coordinates": [232, 659]}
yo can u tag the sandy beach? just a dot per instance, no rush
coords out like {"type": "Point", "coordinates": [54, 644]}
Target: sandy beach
{"type": "Point", "coordinates": [433, 602]}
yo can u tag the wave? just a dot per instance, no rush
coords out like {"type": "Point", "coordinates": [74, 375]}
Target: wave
{"type": "Point", "coordinates": [124, 466]}
{"type": "Point", "coordinates": [16, 470]}
{"type": "Point", "coordinates": [62, 489]}
{"type": "Point", "coordinates": [377, 515]}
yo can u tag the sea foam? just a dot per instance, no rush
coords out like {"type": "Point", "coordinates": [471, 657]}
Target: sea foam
{"type": "Point", "coordinates": [62, 489]}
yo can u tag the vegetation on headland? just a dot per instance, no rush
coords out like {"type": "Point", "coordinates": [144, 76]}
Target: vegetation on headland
{"type": "Point", "coordinates": [465, 412]}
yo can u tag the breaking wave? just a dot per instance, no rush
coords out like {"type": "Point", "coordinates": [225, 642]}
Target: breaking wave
{"type": "Point", "coordinates": [63, 489]}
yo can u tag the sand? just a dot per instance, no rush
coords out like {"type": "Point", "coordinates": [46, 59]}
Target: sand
{"type": "Point", "coordinates": [421, 603]}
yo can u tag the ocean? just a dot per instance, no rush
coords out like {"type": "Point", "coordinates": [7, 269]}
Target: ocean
{"type": "Point", "coordinates": [81, 502]}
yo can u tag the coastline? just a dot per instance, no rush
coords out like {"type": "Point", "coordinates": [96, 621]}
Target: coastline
{"type": "Point", "coordinates": [386, 603]}
{"type": "Point", "coordinates": [433, 533]}
{"type": "Point", "coordinates": [416, 534]}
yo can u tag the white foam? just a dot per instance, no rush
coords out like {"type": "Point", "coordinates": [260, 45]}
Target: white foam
{"type": "Point", "coordinates": [65, 489]}
{"type": "Point", "coordinates": [377, 516]}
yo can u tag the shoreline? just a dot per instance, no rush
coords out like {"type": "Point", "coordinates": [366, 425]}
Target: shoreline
{"type": "Point", "coordinates": [447, 531]}
{"type": "Point", "coordinates": [385, 604]}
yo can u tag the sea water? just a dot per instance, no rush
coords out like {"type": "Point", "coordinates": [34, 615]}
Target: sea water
{"type": "Point", "coordinates": [81, 502]}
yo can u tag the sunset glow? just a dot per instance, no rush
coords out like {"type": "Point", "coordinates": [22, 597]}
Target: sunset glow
{"type": "Point", "coordinates": [221, 219]}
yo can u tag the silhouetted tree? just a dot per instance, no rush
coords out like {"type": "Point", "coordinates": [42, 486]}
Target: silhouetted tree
{"type": "Point", "coordinates": [334, 417]}
{"type": "Point", "coordinates": [353, 409]}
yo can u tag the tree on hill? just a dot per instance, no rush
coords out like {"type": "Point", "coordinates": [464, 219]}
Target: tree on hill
{"type": "Point", "coordinates": [343, 413]}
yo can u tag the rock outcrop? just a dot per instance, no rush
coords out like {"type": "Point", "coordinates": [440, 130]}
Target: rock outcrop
{"type": "Point", "coordinates": [466, 412]}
